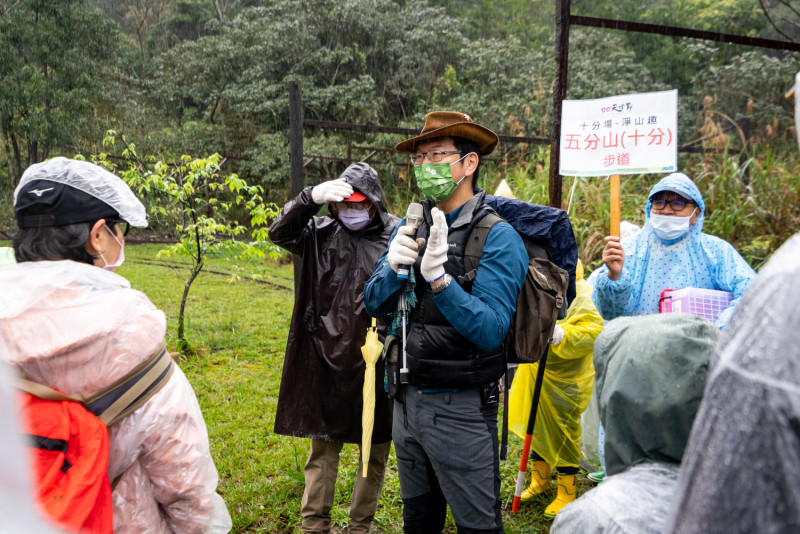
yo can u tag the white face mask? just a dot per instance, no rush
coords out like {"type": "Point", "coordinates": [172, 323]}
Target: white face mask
{"type": "Point", "coordinates": [669, 227]}
{"type": "Point", "coordinates": [354, 219]}
{"type": "Point", "coordinates": [120, 258]}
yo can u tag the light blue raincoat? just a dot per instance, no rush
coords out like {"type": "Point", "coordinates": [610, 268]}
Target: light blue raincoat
{"type": "Point", "coordinates": [653, 265]}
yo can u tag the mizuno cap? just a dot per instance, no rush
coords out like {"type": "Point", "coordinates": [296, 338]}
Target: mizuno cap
{"type": "Point", "coordinates": [63, 191]}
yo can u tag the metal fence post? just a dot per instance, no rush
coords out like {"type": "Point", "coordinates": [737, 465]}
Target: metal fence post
{"type": "Point", "coordinates": [559, 93]}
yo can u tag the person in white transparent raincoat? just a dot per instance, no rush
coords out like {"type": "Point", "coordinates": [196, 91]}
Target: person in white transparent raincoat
{"type": "Point", "coordinates": [69, 323]}
{"type": "Point", "coordinates": [741, 469]}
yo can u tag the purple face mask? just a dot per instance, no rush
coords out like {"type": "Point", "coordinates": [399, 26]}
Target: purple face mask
{"type": "Point", "coordinates": [354, 219]}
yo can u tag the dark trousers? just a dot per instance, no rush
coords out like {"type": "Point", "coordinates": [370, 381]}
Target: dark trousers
{"type": "Point", "coordinates": [447, 454]}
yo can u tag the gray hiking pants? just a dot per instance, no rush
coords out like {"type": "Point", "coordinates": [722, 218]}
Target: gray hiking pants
{"type": "Point", "coordinates": [447, 453]}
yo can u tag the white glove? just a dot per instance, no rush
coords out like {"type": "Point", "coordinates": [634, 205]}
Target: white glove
{"type": "Point", "coordinates": [332, 191]}
{"type": "Point", "coordinates": [432, 266]}
{"type": "Point", "coordinates": [404, 250]}
{"type": "Point", "coordinates": [558, 335]}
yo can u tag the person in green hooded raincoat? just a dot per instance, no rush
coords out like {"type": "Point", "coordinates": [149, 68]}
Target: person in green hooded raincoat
{"type": "Point", "coordinates": [651, 373]}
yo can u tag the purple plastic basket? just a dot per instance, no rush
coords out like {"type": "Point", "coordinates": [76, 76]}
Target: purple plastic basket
{"type": "Point", "coordinates": [706, 303]}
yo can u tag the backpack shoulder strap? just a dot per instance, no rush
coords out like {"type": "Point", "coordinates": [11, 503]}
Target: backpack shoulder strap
{"type": "Point", "coordinates": [124, 396]}
{"type": "Point", "coordinates": [43, 392]}
{"type": "Point", "coordinates": [119, 399]}
{"type": "Point", "coordinates": [475, 242]}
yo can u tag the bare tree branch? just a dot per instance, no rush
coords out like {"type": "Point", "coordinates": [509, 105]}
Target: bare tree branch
{"type": "Point", "coordinates": [221, 7]}
{"type": "Point", "coordinates": [791, 8]}
{"type": "Point", "coordinates": [5, 9]}
{"type": "Point", "coordinates": [772, 23]}
{"type": "Point", "coordinates": [789, 20]}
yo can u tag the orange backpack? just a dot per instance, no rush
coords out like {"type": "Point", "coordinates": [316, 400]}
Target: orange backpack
{"type": "Point", "coordinates": [68, 436]}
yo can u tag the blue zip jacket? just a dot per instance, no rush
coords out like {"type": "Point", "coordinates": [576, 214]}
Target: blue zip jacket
{"type": "Point", "coordinates": [482, 317]}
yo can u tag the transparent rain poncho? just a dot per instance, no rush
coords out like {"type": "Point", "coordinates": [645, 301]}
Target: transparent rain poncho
{"type": "Point", "coordinates": [650, 375]}
{"type": "Point", "coordinates": [652, 265]}
{"type": "Point", "coordinates": [92, 180]}
{"type": "Point", "coordinates": [566, 387]}
{"type": "Point", "coordinates": [741, 469]}
{"type": "Point", "coordinates": [17, 512]}
{"type": "Point", "coordinates": [79, 328]}
{"type": "Point", "coordinates": [632, 502]}
{"type": "Point", "coordinates": [590, 431]}
{"type": "Point", "coordinates": [6, 257]}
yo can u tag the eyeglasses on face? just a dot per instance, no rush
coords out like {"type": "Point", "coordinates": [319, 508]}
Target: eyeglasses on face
{"type": "Point", "coordinates": [677, 204]}
{"type": "Point", "coordinates": [433, 157]}
{"type": "Point", "coordinates": [122, 225]}
{"type": "Point", "coordinates": [359, 206]}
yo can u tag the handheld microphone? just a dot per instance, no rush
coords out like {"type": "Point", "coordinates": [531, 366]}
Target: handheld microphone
{"type": "Point", "coordinates": [413, 219]}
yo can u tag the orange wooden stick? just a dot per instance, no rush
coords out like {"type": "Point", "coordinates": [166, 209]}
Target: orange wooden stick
{"type": "Point", "coordinates": [615, 204]}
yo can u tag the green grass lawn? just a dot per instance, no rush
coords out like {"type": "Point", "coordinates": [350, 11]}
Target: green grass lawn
{"type": "Point", "coordinates": [238, 327]}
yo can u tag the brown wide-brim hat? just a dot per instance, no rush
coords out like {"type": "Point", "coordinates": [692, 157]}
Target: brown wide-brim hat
{"type": "Point", "coordinates": [451, 124]}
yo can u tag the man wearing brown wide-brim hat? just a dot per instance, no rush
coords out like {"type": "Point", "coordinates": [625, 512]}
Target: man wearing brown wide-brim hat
{"type": "Point", "coordinates": [451, 124]}
{"type": "Point", "coordinates": [445, 418]}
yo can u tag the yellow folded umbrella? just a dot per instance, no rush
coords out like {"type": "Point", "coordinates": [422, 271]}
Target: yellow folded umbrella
{"type": "Point", "coordinates": [371, 351]}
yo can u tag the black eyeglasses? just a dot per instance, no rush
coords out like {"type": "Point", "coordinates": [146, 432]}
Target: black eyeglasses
{"type": "Point", "coordinates": [122, 224]}
{"type": "Point", "coordinates": [433, 157]}
{"type": "Point", "coordinates": [359, 206]}
{"type": "Point", "coordinates": [677, 204]}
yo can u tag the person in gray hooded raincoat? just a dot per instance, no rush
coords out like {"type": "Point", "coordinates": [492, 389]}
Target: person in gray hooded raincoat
{"type": "Point", "coordinates": [650, 374]}
{"type": "Point", "coordinates": [323, 371]}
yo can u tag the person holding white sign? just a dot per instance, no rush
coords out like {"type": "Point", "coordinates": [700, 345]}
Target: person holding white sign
{"type": "Point", "coordinates": [670, 252]}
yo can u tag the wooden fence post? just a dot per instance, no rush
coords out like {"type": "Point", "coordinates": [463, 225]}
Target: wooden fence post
{"type": "Point", "coordinates": [296, 152]}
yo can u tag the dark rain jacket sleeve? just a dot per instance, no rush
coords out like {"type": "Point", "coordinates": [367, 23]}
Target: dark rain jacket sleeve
{"type": "Point", "coordinates": [291, 230]}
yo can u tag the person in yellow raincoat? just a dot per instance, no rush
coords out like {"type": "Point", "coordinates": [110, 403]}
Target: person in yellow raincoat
{"type": "Point", "coordinates": [566, 389]}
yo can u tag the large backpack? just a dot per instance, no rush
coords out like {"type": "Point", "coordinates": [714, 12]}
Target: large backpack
{"type": "Point", "coordinates": [541, 299]}
{"type": "Point", "coordinates": [69, 442]}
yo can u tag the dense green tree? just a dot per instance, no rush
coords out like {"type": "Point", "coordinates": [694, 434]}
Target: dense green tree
{"type": "Point", "coordinates": [359, 61]}
{"type": "Point", "coordinates": [52, 66]}
{"type": "Point", "coordinates": [532, 22]}
{"type": "Point", "coordinates": [668, 59]}
{"type": "Point", "coordinates": [202, 76]}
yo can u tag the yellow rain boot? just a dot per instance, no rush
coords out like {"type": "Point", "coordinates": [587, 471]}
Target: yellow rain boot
{"type": "Point", "coordinates": [566, 494]}
{"type": "Point", "coordinates": [540, 480]}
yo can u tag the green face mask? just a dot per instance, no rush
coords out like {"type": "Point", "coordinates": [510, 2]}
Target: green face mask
{"type": "Point", "coordinates": [435, 180]}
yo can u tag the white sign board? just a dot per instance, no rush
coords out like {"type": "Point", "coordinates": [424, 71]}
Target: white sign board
{"type": "Point", "coordinates": [627, 134]}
